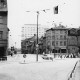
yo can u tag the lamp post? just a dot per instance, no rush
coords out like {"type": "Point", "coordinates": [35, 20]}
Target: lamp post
{"type": "Point", "coordinates": [37, 36]}
{"type": "Point", "coordinates": [37, 31]}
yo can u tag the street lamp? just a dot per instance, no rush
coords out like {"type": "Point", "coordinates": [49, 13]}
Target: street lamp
{"type": "Point", "coordinates": [37, 36]}
{"type": "Point", "coordinates": [37, 31]}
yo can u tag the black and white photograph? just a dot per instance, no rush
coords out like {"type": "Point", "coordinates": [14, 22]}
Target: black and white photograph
{"type": "Point", "coordinates": [39, 39]}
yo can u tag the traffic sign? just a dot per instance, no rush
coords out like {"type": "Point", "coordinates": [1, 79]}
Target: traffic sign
{"type": "Point", "coordinates": [24, 56]}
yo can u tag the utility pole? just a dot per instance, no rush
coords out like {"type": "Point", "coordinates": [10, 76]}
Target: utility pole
{"type": "Point", "coordinates": [37, 32]}
{"type": "Point", "coordinates": [54, 43]}
{"type": "Point", "coordinates": [37, 37]}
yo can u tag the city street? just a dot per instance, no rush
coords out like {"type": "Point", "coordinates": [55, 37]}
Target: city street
{"type": "Point", "coordinates": [39, 40]}
{"type": "Point", "coordinates": [16, 69]}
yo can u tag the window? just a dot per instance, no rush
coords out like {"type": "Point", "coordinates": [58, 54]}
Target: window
{"type": "Point", "coordinates": [56, 43]}
{"type": "Point", "coordinates": [61, 31]}
{"type": "Point", "coordinates": [1, 33]}
{"type": "Point", "coordinates": [65, 32]}
{"type": "Point", "coordinates": [64, 37]}
{"type": "Point", "coordinates": [61, 37]}
{"type": "Point", "coordinates": [57, 32]}
{"type": "Point", "coordinates": [2, 1]}
{"type": "Point", "coordinates": [22, 35]}
{"type": "Point", "coordinates": [64, 43]}
{"type": "Point", "coordinates": [53, 37]}
{"type": "Point", "coordinates": [61, 43]}
{"type": "Point", "coordinates": [48, 37]}
{"type": "Point", "coordinates": [48, 43]}
{"type": "Point", "coordinates": [53, 43]}
{"type": "Point", "coordinates": [57, 37]}
{"type": "Point", "coordinates": [1, 20]}
{"type": "Point", "coordinates": [53, 32]}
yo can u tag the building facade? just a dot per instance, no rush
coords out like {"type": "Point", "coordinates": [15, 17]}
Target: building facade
{"type": "Point", "coordinates": [74, 41]}
{"type": "Point", "coordinates": [3, 28]}
{"type": "Point", "coordinates": [29, 45]}
{"type": "Point", "coordinates": [28, 30]}
{"type": "Point", "coordinates": [63, 40]}
{"type": "Point", "coordinates": [56, 39]}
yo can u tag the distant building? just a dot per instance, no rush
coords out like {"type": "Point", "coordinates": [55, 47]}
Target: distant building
{"type": "Point", "coordinates": [28, 30]}
{"type": "Point", "coordinates": [29, 45]}
{"type": "Point", "coordinates": [3, 28]}
{"type": "Point", "coordinates": [56, 38]}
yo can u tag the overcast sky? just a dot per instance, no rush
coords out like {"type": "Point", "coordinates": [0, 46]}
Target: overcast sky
{"type": "Point", "coordinates": [69, 13]}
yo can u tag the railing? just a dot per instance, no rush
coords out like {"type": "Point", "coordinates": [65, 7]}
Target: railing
{"type": "Point", "coordinates": [3, 7]}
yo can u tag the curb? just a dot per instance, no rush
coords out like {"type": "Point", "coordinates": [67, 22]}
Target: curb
{"type": "Point", "coordinates": [73, 70]}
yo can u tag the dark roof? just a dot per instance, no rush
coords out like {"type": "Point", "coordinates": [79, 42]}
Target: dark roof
{"type": "Point", "coordinates": [57, 28]}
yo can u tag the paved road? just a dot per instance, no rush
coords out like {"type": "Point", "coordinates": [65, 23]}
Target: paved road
{"type": "Point", "coordinates": [53, 70]}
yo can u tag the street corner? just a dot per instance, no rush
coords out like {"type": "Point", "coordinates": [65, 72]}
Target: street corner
{"type": "Point", "coordinates": [4, 76]}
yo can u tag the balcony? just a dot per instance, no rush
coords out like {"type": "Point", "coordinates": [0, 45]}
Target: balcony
{"type": "Point", "coordinates": [3, 7]}
{"type": "Point", "coordinates": [3, 43]}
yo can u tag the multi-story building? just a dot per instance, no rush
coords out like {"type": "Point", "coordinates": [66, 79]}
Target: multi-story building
{"type": "Point", "coordinates": [3, 28]}
{"type": "Point", "coordinates": [74, 41]}
{"type": "Point", "coordinates": [29, 45]}
{"type": "Point", "coordinates": [56, 39]}
{"type": "Point", "coordinates": [28, 30]}
{"type": "Point", "coordinates": [63, 40]}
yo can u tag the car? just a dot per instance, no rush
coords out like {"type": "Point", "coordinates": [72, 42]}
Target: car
{"type": "Point", "coordinates": [47, 57]}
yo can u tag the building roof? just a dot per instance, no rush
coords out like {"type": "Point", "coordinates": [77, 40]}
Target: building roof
{"type": "Point", "coordinates": [60, 27]}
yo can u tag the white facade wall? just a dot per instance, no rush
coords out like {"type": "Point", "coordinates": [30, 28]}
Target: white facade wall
{"type": "Point", "coordinates": [28, 30]}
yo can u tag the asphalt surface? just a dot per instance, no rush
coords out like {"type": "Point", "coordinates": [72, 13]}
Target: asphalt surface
{"type": "Point", "coordinates": [58, 69]}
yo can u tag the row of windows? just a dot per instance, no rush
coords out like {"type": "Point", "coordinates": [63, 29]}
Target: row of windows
{"type": "Point", "coordinates": [57, 37]}
{"type": "Point", "coordinates": [59, 43]}
{"type": "Point", "coordinates": [31, 32]}
{"type": "Point", "coordinates": [61, 37]}
{"type": "Point", "coordinates": [30, 35]}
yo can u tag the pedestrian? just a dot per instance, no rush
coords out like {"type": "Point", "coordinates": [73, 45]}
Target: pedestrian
{"type": "Point", "coordinates": [12, 53]}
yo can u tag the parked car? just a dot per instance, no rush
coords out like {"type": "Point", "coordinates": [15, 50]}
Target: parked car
{"type": "Point", "coordinates": [47, 57]}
